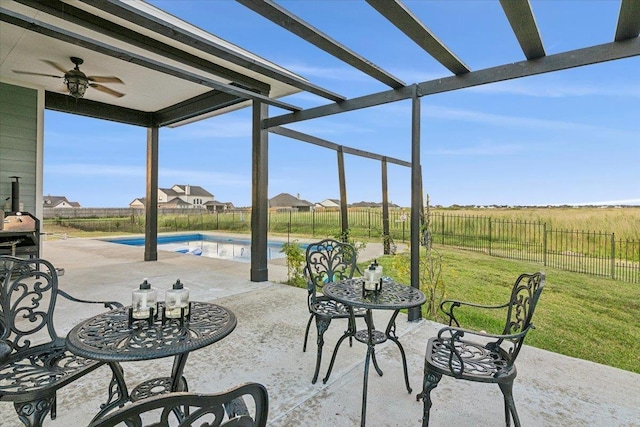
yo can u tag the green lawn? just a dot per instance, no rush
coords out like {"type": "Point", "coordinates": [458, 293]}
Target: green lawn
{"type": "Point", "coordinates": [582, 316]}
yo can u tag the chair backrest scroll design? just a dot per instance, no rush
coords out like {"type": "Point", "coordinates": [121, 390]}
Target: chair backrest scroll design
{"type": "Point", "coordinates": [329, 261]}
{"type": "Point", "coordinates": [27, 299]}
{"type": "Point", "coordinates": [524, 298]}
{"type": "Point", "coordinates": [203, 409]}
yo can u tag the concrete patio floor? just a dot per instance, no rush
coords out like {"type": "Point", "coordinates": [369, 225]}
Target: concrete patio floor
{"type": "Point", "coordinates": [266, 347]}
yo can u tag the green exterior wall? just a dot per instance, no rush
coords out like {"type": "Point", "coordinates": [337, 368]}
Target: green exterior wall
{"type": "Point", "coordinates": [18, 144]}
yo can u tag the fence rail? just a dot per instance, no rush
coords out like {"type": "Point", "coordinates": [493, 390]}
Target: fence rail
{"type": "Point", "coordinates": [588, 252]}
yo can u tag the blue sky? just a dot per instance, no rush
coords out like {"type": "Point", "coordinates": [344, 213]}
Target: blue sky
{"type": "Point", "coordinates": [570, 137]}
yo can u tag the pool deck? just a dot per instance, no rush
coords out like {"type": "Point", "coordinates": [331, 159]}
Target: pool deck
{"type": "Point", "coordinates": [266, 347]}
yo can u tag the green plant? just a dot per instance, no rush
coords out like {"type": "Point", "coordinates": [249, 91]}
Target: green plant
{"type": "Point", "coordinates": [345, 236]}
{"type": "Point", "coordinates": [389, 245]}
{"type": "Point", "coordinates": [295, 263]}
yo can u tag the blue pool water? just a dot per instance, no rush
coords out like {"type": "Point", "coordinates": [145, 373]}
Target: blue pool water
{"type": "Point", "coordinates": [234, 249]}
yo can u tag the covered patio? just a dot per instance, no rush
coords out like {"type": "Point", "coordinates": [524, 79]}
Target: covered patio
{"type": "Point", "coordinates": [203, 75]}
{"type": "Point", "coordinates": [206, 77]}
{"type": "Point", "coordinates": [266, 347]}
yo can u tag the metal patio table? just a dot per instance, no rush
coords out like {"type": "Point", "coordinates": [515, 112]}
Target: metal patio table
{"type": "Point", "coordinates": [392, 296]}
{"type": "Point", "coordinates": [108, 337]}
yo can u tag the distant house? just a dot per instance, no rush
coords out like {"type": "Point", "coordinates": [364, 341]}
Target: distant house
{"type": "Point", "coordinates": [138, 203]}
{"type": "Point", "coordinates": [329, 204]}
{"type": "Point", "coordinates": [287, 202]}
{"type": "Point", "coordinates": [58, 202]}
{"type": "Point", "coordinates": [179, 196]}
{"type": "Point", "coordinates": [193, 196]}
{"type": "Point", "coordinates": [215, 206]}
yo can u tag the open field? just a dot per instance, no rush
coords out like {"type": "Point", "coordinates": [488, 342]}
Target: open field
{"type": "Point", "coordinates": [582, 316]}
{"type": "Point", "coordinates": [624, 222]}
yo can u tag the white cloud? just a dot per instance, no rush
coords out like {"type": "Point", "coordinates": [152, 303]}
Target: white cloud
{"type": "Point", "coordinates": [483, 149]}
{"type": "Point", "coordinates": [610, 202]}
{"type": "Point", "coordinates": [440, 112]}
{"type": "Point", "coordinates": [196, 177]}
{"type": "Point", "coordinates": [88, 169]}
{"type": "Point", "coordinates": [329, 73]}
{"type": "Point", "coordinates": [557, 89]}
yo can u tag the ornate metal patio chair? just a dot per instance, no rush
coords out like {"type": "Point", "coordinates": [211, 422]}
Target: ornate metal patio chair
{"type": "Point", "coordinates": [486, 357]}
{"type": "Point", "coordinates": [34, 362]}
{"type": "Point", "coordinates": [226, 409]}
{"type": "Point", "coordinates": [327, 261]}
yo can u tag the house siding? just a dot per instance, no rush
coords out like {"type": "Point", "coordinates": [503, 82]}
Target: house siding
{"type": "Point", "coordinates": [19, 144]}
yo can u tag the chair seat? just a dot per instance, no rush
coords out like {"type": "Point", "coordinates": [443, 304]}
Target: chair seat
{"type": "Point", "coordinates": [479, 363]}
{"type": "Point", "coordinates": [334, 309]}
{"type": "Point", "coordinates": [39, 372]}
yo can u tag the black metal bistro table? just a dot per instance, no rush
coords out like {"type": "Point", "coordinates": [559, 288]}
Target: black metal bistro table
{"type": "Point", "coordinates": [108, 337]}
{"type": "Point", "coordinates": [392, 296]}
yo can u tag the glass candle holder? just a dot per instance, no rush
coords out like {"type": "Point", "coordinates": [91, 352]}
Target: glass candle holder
{"type": "Point", "coordinates": [176, 301]}
{"type": "Point", "coordinates": [144, 301]}
{"type": "Point", "coordinates": [372, 276]}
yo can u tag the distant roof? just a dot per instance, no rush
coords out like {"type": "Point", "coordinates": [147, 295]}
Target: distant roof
{"type": "Point", "coordinates": [284, 200]}
{"type": "Point", "coordinates": [176, 201]}
{"type": "Point", "coordinates": [194, 190]}
{"type": "Point", "coordinates": [53, 201]}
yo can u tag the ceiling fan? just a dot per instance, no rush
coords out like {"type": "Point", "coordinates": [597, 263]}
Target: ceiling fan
{"type": "Point", "coordinates": [76, 81]}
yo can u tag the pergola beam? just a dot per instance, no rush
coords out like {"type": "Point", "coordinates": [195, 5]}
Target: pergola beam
{"type": "Point", "coordinates": [524, 26]}
{"type": "Point", "coordinates": [410, 25]}
{"type": "Point", "coordinates": [560, 61]}
{"type": "Point", "coordinates": [87, 43]}
{"type": "Point", "coordinates": [194, 107]}
{"type": "Point", "coordinates": [127, 12]}
{"type": "Point", "coordinates": [333, 146]}
{"type": "Point", "coordinates": [628, 20]}
{"type": "Point", "coordinates": [306, 31]}
{"type": "Point", "coordinates": [85, 107]}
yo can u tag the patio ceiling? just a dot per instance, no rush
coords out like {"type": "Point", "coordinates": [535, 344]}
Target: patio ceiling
{"type": "Point", "coordinates": [202, 75]}
{"type": "Point", "coordinates": [172, 71]}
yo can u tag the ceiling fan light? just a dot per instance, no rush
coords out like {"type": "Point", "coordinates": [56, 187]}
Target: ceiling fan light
{"type": "Point", "coordinates": [77, 85]}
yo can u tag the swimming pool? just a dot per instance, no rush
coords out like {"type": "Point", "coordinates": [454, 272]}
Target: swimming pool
{"type": "Point", "coordinates": [234, 249]}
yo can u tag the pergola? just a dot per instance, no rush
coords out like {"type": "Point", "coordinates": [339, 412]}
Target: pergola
{"type": "Point", "coordinates": [202, 75]}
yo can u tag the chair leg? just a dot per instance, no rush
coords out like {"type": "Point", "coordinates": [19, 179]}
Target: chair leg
{"type": "Point", "coordinates": [32, 413]}
{"type": "Point", "coordinates": [509, 404]}
{"type": "Point", "coordinates": [322, 324]}
{"type": "Point", "coordinates": [431, 380]}
{"type": "Point", "coordinates": [306, 334]}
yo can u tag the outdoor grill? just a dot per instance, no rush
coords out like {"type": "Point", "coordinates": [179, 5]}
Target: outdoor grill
{"type": "Point", "coordinates": [20, 235]}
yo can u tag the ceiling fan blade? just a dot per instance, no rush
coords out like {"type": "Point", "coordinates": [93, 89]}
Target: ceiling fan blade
{"type": "Point", "coordinates": [36, 74]}
{"type": "Point", "coordinates": [106, 90]}
{"type": "Point", "coordinates": [105, 79]}
{"type": "Point", "coordinates": [55, 65]}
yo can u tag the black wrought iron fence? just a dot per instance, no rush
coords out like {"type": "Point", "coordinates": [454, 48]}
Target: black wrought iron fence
{"type": "Point", "coordinates": [589, 252]}
{"type": "Point", "coordinates": [594, 253]}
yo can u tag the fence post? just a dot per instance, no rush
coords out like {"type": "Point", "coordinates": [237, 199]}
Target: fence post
{"type": "Point", "coordinates": [544, 244]}
{"type": "Point", "coordinates": [369, 219]}
{"type": "Point", "coordinates": [442, 229]}
{"type": "Point", "coordinates": [613, 255]}
{"type": "Point", "coordinates": [490, 235]}
{"type": "Point", "coordinates": [313, 223]}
